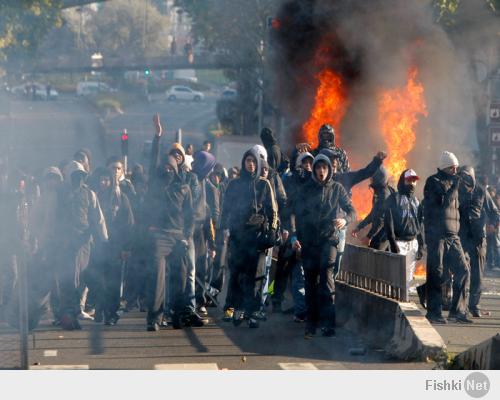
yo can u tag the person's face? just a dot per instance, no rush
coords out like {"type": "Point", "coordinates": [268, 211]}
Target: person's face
{"type": "Point", "coordinates": [335, 165]}
{"type": "Point", "coordinates": [250, 164]}
{"type": "Point", "coordinates": [451, 170]}
{"type": "Point", "coordinates": [178, 157]}
{"type": "Point", "coordinates": [207, 147]}
{"type": "Point", "coordinates": [189, 150]}
{"type": "Point", "coordinates": [411, 182]}
{"type": "Point", "coordinates": [85, 162]}
{"type": "Point", "coordinates": [104, 183]}
{"type": "Point", "coordinates": [117, 170]}
{"type": "Point", "coordinates": [265, 172]}
{"type": "Point", "coordinates": [307, 164]}
{"type": "Point", "coordinates": [321, 171]}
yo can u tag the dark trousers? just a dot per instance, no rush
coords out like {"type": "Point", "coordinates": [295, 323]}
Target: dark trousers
{"type": "Point", "coordinates": [446, 253]}
{"type": "Point", "coordinates": [200, 249]}
{"type": "Point", "coordinates": [247, 271]}
{"type": "Point", "coordinates": [318, 264]}
{"type": "Point", "coordinates": [168, 258]}
{"type": "Point", "coordinates": [220, 262]}
{"type": "Point", "coordinates": [477, 258]}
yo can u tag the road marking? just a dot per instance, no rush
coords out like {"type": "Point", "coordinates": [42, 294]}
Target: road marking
{"type": "Point", "coordinates": [297, 366]}
{"type": "Point", "coordinates": [189, 366]}
{"type": "Point", "coordinates": [59, 367]}
{"type": "Point", "coordinates": [50, 353]}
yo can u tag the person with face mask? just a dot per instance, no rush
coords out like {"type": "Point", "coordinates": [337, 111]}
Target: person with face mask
{"type": "Point", "coordinates": [477, 209]}
{"type": "Point", "coordinates": [326, 139]}
{"type": "Point", "coordinates": [381, 191]}
{"type": "Point", "coordinates": [249, 211]}
{"type": "Point", "coordinates": [403, 221]}
{"type": "Point", "coordinates": [444, 249]}
{"type": "Point", "coordinates": [81, 221]}
{"type": "Point", "coordinates": [169, 218]}
{"type": "Point", "coordinates": [318, 223]}
{"type": "Point", "coordinates": [110, 255]}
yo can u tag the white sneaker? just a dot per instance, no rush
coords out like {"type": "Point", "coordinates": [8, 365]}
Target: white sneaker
{"type": "Point", "coordinates": [83, 316]}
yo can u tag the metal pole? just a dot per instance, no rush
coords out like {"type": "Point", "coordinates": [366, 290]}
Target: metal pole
{"type": "Point", "coordinates": [178, 136]}
{"type": "Point", "coordinates": [23, 309]}
{"type": "Point", "coordinates": [125, 164]}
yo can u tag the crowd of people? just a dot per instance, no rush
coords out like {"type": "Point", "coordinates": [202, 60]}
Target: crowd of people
{"type": "Point", "coordinates": [171, 238]}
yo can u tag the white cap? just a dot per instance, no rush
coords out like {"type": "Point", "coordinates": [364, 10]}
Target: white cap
{"type": "Point", "coordinates": [447, 160]}
{"type": "Point", "coordinates": [411, 174]}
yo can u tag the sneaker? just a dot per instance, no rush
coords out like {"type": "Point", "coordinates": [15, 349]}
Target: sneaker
{"type": "Point", "coordinates": [260, 315]}
{"type": "Point", "coordinates": [202, 311]}
{"type": "Point", "coordinates": [309, 332]}
{"type": "Point", "coordinates": [228, 314]}
{"type": "Point", "coordinates": [253, 322]}
{"type": "Point", "coordinates": [476, 313]}
{"type": "Point", "coordinates": [460, 318]}
{"type": "Point", "coordinates": [328, 332]}
{"type": "Point", "coordinates": [196, 320]}
{"type": "Point", "coordinates": [436, 319]}
{"type": "Point", "coordinates": [238, 317]}
{"type": "Point", "coordinates": [299, 318]}
{"type": "Point", "coordinates": [85, 316]}
{"type": "Point", "coordinates": [153, 327]}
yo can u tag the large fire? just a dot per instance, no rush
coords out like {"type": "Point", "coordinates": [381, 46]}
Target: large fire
{"type": "Point", "coordinates": [398, 112]}
{"type": "Point", "coordinates": [330, 106]}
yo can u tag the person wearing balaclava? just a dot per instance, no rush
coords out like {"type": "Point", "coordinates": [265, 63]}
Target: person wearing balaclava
{"type": "Point", "coordinates": [80, 220]}
{"type": "Point", "coordinates": [477, 209]}
{"type": "Point", "coordinates": [273, 150]}
{"type": "Point", "coordinates": [168, 217]}
{"type": "Point", "coordinates": [403, 222]}
{"type": "Point", "coordinates": [317, 237]}
{"type": "Point", "coordinates": [381, 191]}
{"type": "Point", "coordinates": [206, 214]}
{"type": "Point", "coordinates": [187, 177]}
{"type": "Point", "coordinates": [249, 211]}
{"type": "Point", "coordinates": [444, 249]}
{"type": "Point", "coordinates": [326, 140]}
{"type": "Point", "coordinates": [110, 255]}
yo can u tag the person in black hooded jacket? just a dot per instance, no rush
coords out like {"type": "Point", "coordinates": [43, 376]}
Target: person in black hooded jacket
{"type": "Point", "coordinates": [403, 221]}
{"type": "Point", "coordinates": [273, 150]}
{"type": "Point", "coordinates": [318, 221]}
{"type": "Point", "coordinates": [169, 218]}
{"type": "Point", "coordinates": [249, 209]}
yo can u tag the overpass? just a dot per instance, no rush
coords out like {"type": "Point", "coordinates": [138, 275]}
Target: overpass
{"type": "Point", "coordinates": [68, 64]}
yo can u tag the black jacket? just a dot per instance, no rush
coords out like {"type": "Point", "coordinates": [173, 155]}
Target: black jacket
{"type": "Point", "coordinates": [402, 217]}
{"type": "Point", "coordinates": [273, 150]}
{"type": "Point", "coordinates": [441, 206]}
{"type": "Point", "coordinates": [352, 178]}
{"type": "Point", "coordinates": [317, 206]}
{"type": "Point", "coordinates": [293, 184]}
{"type": "Point", "coordinates": [245, 197]}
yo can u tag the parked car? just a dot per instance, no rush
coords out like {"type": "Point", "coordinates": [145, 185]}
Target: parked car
{"type": "Point", "coordinates": [91, 88]}
{"type": "Point", "coordinates": [183, 93]}
{"type": "Point", "coordinates": [40, 91]}
{"type": "Point", "coordinates": [228, 94]}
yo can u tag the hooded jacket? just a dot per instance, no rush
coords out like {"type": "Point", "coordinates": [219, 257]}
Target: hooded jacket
{"type": "Point", "coordinates": [202, 165]}
{"type": "Point", "coordinates": [441, 206]}
{"type": "Point", "coordinates": [169, 206]}
{"type": "Point", "coordinates": [278, 188]}
{"type": "Point", "coordinates": [273, 150]}
{"type": "Point", "coordinates": [330, 144]}
{"type": "Point", "coordinates": [318, 204]}
{"type": "Point", "coordinates": [381, 191]}
{"type": "Point", "coordinates": [246, 196]}
{"type": "Point", "coordinates": [477, 209]}
{"type": "Point", "coordinates": [402, 217]}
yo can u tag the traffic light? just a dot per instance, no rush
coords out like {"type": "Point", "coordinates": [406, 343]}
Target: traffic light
{"type": "Point", "coordinates": [124, 142]}
{"type": "Point", "coordinates": [147, 72]}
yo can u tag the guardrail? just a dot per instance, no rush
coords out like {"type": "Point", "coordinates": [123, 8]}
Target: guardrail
{"type": "Point", "coordinates": [376, 271]}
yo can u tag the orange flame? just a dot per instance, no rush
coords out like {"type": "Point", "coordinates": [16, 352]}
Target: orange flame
{"type": "Point", "coordinates": [398, 116]}
{"type": "Point", "coordinates": [362, 200]}
{"type": "Point", "coordinates": [330, 106]}
{"type": "Point", "coordinates": [420, 272]}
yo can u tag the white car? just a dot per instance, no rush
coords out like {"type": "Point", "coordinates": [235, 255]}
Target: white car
{"type": "Point", "coordinates": [92, 88]}
{"type": "Point", "coordinates": [183, 93]}
{"type": "Point", "coordinates": [41, 93]}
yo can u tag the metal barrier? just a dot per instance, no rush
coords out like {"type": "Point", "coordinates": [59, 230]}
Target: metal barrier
{"type": "Point", "coordinates": [376, 271]}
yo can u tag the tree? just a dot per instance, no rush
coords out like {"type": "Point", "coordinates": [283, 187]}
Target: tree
{"type": "Point", "coordinates": [23, 23]}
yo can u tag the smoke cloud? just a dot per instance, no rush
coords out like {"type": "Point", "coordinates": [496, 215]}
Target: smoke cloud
{"type": "Point", "coordinates": [372, 44]}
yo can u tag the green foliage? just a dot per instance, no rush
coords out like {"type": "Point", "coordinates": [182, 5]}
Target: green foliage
{"type": "Point", "coordinates": [24, 22]}
{"type": "Point", "coordinates": [447, 11]}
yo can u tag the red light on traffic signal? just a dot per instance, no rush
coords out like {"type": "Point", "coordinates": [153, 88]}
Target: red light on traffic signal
{"type": "Point", "coordinates": [124, 137]}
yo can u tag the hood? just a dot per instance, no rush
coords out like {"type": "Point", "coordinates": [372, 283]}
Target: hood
{"type": "Point", "coordinates": [318, 158]}
{"type": "Point", "coordinates": [301, 157]}
{"type": "Point", "coordinates": [220, 170]}
{"type": "Point", "coordinates": [169, 160]}
{"type": "Point", "coordinates": [380, 178]}
{"type": "Point", "coordinates": [72, 167]}
{"type": "Point", "coordinates": [52, 171]}
{"type": "Point", "coordinates": [203, 164]}
{"type": "Point", "coordinates": [329, 132]}
{"type": "Point", "coordinates": [178, 147]}
{"type": "Point", "coordinates": [468, 176]}
{"type": "Point", "coordinates": [244, 174]}
{"type": "Point", "coordinates": [261, 150]}
{"type": "Point", "coordinates": [267, 137]}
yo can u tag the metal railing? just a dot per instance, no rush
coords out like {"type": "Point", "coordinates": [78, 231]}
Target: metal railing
{"type": "Point", "coordinates": [376, 271]}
